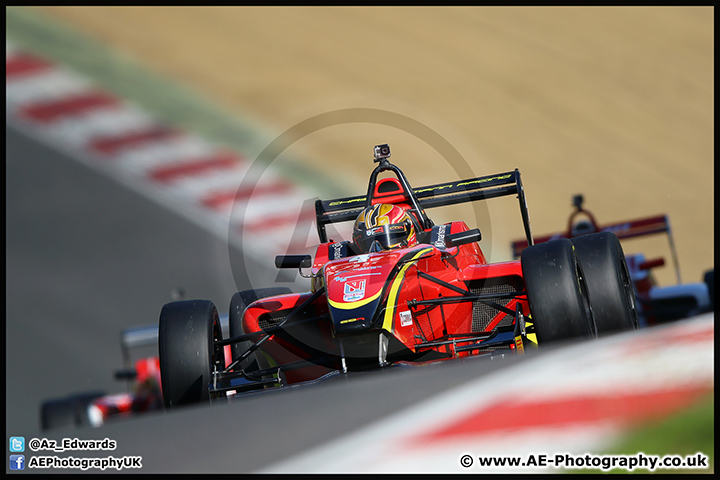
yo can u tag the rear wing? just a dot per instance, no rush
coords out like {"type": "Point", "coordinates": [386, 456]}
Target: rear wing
{"type": "Point", "coordinates": [623, 230]}
{"type": "Point", "coordinates": [442, 194]}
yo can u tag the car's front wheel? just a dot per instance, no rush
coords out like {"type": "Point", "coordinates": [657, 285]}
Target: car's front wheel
{"type": "Point", "coordinates": [188, 332]}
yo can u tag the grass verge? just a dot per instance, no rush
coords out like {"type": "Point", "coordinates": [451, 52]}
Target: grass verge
{"type": "Point", "coordinates": [685, 434]}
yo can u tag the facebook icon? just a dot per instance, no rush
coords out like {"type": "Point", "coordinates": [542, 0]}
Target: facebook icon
{"type": "Point", "coordinates": [17, 462]}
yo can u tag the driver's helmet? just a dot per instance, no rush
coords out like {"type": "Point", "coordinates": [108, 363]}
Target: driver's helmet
{"type": "Point", "coordinates": [581, 228]}
{"type": "Point", "coordinates": [383, 227]}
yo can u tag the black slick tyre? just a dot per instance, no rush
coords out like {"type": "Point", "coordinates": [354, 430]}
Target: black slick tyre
{"type": "Point", "coordinates": [709, 280]}
{"type": "Point", "coordinates": [610, 289]}
{"type": "Point", "coordinates": [556, 292]}
{"type": "Point", "coordinates": [186, 345]}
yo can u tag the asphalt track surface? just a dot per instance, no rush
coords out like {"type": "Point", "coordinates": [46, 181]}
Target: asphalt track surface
{"type": "Point", "coordinates": [87, 258]}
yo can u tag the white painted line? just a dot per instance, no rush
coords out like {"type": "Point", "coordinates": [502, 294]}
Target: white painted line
{"type": "Point", "coordinates": [184, 172]}
{"type": "Point", "coordinates": [44, 86]}
{"type": "Point", "coordinates": [168, 152]}
{"type": "Point", "coordinates": [78, 131]}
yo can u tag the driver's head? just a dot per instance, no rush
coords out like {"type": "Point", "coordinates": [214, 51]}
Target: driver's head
{"type": "Point", "coordinates": [581, 228]}
{"type": "Point", "coordinates": [382, 227]}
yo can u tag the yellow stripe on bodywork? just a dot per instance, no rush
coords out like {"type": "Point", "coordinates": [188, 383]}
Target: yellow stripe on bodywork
{"type": "Point", "coordinates": [395, 288]}
{"type": "Point", "coordinates": [351, 305]}
{"type": "Point", "coordinates": [530, 336]}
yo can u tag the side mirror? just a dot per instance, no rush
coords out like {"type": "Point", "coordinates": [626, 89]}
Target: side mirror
{"type": "Point", "coordinates": [293, 261]}
{"type": "Point", "coordinates": [462, 238]}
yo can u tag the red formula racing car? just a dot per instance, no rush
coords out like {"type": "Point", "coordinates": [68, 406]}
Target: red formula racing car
{"type": "Point", "coordinates": [95, 408]}
{"type": "Point", "coordinates": [656, 303]}
{"type": "Point", "coordinates": [402, 290]}
{"type": "Point", "coordinates": [141, 372]}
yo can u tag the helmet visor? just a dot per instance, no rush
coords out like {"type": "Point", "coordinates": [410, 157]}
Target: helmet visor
{"type": "Point", "coordinates": [388, 236]}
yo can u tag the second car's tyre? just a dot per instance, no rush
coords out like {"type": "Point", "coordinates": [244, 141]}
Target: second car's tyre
{"type": "Point", "coordinates": [186, 344]}
{"type": "Point", "coordinates": [556, 292]}
{"type": "Point", "coordinates": [610, 288]}
{"type": "Point", "coordinates": [709, 280]}
{"type": "Point", "coordinates": [238, 304]}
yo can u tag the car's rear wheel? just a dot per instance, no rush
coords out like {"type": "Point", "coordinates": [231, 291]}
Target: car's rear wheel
{"type": "Point", "coordinates": [556, 292]}
{"type": "Point", "coordinates": [709, 280]}
{"type": "Point", "coordinates": [187, 336]}
{"type": "Point", "coordinates": [610, 288]}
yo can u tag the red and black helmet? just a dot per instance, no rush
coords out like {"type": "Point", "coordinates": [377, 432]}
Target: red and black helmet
{"type": "Point", "coordinates": [383, 227]}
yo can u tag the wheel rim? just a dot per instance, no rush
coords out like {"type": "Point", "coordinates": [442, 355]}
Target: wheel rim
{"type": "Point", "coordinates": [217, 353]}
